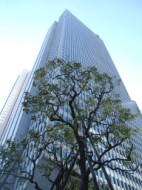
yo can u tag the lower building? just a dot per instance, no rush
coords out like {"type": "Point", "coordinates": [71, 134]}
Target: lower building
{"type": "Point", "coordinates": [7, 111]}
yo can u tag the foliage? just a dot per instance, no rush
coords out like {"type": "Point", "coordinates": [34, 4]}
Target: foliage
{"type": "Point", "coordinates": [78, 120]}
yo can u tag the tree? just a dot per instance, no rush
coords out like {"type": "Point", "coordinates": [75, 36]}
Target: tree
{"type": "Point", "coordinates": [35, 149]}
{"type": "Point", "coordinates": [86, 121]}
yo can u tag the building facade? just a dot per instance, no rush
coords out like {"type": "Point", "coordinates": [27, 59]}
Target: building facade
{"type": "Point", "coordinates": [7, 112]}
{"type": "Point", "coordinates": [70, 40]}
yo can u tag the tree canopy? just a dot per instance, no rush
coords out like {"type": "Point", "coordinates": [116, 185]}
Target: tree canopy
{"type": "Point", "coordinates": [79, 124]}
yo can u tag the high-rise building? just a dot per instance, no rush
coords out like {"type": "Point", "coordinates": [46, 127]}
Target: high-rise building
{"type": "Point", "coordinates": [7, 111]}
{"type": "Point", "coordinates": [70, 40]}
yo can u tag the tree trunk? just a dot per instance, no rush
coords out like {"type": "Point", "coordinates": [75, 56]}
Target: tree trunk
{"type": "Point", "coordinates": [84, 173]}
{"type": "Point", "coordinates": [84, 183]}
{"type": "Point", "coordinates": [82, 162]}
{"type": "Point", "coordinates": [82, 166]}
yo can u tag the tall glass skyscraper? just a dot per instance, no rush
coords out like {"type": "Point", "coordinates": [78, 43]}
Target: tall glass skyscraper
{"type": "Point", "coordinates": [7, 111]}
{"type": "Point", "coordinates": [70, 40]}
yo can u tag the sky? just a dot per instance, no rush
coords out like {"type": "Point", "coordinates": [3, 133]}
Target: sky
{"type": "Point", "coordinates": [24, 24]}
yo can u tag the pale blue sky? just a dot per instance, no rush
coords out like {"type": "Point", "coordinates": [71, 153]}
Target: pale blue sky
{"type": "Point", "coordinates": [24, 23]}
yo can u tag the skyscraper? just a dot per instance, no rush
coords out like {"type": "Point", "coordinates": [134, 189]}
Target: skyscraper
{"type": "Point", "coordinates": [71, 40]}
{"type": "Point", "coordinates": [8, 109]}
